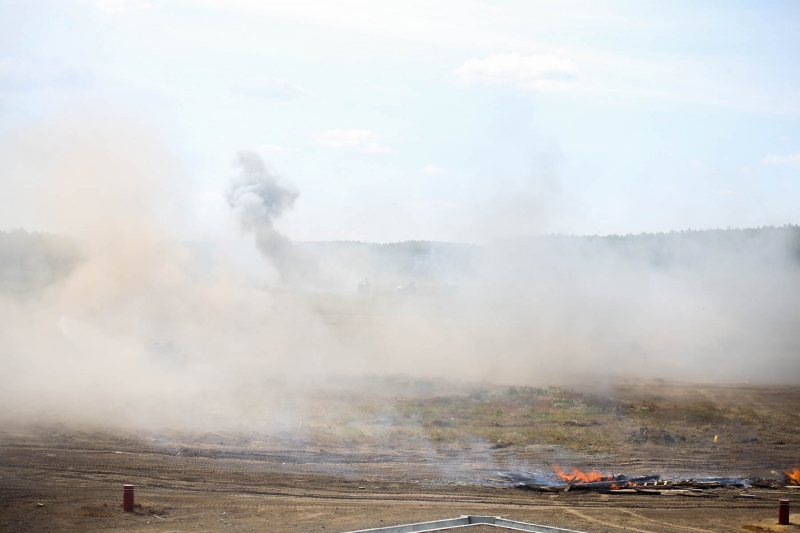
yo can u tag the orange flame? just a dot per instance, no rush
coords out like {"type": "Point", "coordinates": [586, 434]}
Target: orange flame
{"type": "Point", "coordinates": [793, 475]}
{"type": "Point", "coordinates": [580, 477]}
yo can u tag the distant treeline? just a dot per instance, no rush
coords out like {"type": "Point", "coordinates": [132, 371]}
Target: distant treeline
{"type": "Point", "coordinates": [768, 243]}
{"type": "Point", "coordinates": [31, 261]}
{"type": "Point", "coordinates": [421, 259]}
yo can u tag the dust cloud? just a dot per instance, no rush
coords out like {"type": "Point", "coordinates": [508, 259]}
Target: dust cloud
{"type": "Point", "coordinates": [143, 331]}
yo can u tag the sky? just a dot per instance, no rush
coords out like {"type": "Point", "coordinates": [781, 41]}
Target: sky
{"type": "Point", "coordinates": [458, 121]}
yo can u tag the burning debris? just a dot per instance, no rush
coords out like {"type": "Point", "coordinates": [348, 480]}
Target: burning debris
{"type": "Point", "coordinates": [793, 476]}
{"type": "Point", "coordinates": [580, 477]}
{"type": "Point", "coordinates": [575, 480]}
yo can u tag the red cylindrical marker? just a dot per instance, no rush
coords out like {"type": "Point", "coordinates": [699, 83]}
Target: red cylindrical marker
{"type": "Point", "coordinates": [127, 497]}
{"type": "Point", "coordinates": [783, 512]}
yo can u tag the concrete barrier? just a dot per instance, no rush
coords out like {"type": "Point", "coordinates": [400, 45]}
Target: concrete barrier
{"type": "Point", "coordinates": [465, 521]}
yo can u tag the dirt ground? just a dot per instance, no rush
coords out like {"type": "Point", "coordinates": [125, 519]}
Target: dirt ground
{"type": "Point", "coordinates": [433, 457]}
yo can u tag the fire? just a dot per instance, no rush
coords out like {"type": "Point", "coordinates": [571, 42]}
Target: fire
{"type": "Point", "coordinates": [580, 477]}
{"type": "Point", "coordinates": [793, 475]}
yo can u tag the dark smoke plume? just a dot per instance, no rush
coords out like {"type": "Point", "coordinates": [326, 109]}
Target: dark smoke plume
{"type": "Point", "coordinates": [258, 199]}
{"type": "Point", "coordinates": [256, 195]}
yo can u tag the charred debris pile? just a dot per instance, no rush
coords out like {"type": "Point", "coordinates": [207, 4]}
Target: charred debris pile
{"type": "Point", "coordinates": [593, 481]}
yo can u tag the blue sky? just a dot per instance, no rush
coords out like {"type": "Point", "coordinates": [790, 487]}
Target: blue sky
{"type": "Point", "coordinates": [465, 121]}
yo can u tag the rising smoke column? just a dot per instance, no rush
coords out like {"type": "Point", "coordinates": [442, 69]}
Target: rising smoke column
{"type": "Point", "coordinates": [258, 199]}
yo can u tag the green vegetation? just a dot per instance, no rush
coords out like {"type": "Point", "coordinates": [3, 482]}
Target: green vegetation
{"type": "Point", "coordinates": [521, 416]}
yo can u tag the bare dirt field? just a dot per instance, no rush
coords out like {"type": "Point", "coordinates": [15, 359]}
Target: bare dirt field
{"type": "Point", "coordinates": [371, 459]}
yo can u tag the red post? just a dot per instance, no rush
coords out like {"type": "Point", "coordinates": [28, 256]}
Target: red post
{"type": "Point", "coordinates": [783, 512]}
{"type": "Point", "coordinates": [127, 498]}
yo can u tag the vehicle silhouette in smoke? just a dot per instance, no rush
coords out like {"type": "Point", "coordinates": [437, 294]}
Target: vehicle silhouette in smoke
{"type": "Point", "coordinates": [451, 287]}
{"type": "Point", "coordinates": [168, 352]}
{"type": "Point", "coordinates": [407, 290]}
{"type": "Point", "coordinates": [363, 287]}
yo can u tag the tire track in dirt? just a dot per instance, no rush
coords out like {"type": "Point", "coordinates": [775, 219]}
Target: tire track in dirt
{"type": "Point", "coordinates": [609, 524]}
{"type": "Point", "coordinates": [642, 517]}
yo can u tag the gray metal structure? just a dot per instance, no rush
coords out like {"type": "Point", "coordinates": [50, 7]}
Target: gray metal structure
{"type": "Point", "coordinates": [465, 521]}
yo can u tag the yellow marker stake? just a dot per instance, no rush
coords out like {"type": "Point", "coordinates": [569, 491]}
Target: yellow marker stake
{"type": "Point", "coordinates": [716, 437]}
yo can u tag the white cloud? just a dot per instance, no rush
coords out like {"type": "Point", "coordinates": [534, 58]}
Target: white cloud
{"type": "Point", "coordinates": [696, 165]}
{"type": "Point", "coordinates": [523, 72]}
{"type": "Point", "coordinates": [538, 28]}
{"type": "Point", "coordinates": [430, 169]}
{"type": "Point", "coordinates": [446, 23]}
{"type": "Point", "coordinates": [437, 205]}
{"type": "Point", "coordinates": [121, 6]}
{"type": "Point", "coordinates": [361, 140]}
{"type": "Point", "coordinates": [274, 148]}
{"type": "Point", "coordinates": [21, 75]}
{"type": "Point", "coordinates": [726, 193]}
{"type": "Point", "coordinates": [793, 160]}
{"type": "Point", "coordinates": [781, 138]}
{"type": "Point", "coordinates": [272, 88]}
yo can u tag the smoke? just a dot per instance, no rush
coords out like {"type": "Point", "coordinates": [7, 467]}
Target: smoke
{"type": "Point", "coordinates": [257, 197]}
{"type": "Point", "coordinates": [258, 200]}
{"type": "Point", "coordinates": [146, 332]}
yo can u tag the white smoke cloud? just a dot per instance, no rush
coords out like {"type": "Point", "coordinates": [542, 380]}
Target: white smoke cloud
{"type": "Point", "coordinates": [147, 333]}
